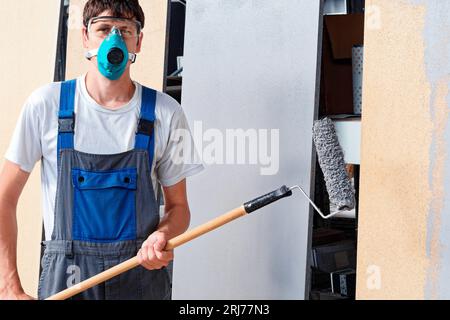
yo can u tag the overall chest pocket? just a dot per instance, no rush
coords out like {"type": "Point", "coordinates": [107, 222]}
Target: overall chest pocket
{"type": "Point", "coordinates": [104, 205]}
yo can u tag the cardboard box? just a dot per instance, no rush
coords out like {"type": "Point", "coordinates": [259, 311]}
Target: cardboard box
{"type": "Point", "coordinates": [341, 33]}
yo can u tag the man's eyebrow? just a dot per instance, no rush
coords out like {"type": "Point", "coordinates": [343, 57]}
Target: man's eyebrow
{"type": "Point", "coordinates": [103, 24]}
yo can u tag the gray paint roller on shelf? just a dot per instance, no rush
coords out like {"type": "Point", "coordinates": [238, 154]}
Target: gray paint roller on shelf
{"type": "Point", "coordinates": [331, 161]}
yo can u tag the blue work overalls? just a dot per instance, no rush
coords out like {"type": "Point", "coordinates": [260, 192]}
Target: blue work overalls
{"type": "Point", "coordinates": [105, 208]}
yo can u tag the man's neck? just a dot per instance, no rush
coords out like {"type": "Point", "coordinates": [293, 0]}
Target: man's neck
{"type": "Point", "coordinates": [110, 94]}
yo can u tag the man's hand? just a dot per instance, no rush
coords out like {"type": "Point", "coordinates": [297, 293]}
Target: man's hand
{"type": "Point", "coordinates": [12, 181]}
{"type": "Point", "coordinates": [175, 221]}
{"type": "Point", "coordinates": [15, 296]}
{"type": "Point", "coordinates": [8, 293]}
{"type": "Point", "coordinates": [152, 255]}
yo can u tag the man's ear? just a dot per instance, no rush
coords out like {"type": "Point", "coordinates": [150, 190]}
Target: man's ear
{"type": "Point", "coordinates": [85, 37]}
{"type": "Point", "coordinates": [139, 45]}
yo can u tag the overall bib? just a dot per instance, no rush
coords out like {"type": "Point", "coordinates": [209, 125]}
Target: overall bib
{"type": "Point", "coordinates": [105, 209]}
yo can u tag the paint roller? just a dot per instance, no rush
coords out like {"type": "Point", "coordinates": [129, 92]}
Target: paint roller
{"type": "Point", "coordinates": [338, 184]}
{"type": "Point", "coordinates": [331, 160]}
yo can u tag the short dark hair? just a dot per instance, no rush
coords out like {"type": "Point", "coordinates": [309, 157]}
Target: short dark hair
{"type": "Point", "coordinates": [129, 9]}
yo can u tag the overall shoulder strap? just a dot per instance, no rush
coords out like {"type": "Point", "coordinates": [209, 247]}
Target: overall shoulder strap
{"type": "Point", "coordinates": [145, 138]}
{"type": "Point", "coordinates": [66, 117]}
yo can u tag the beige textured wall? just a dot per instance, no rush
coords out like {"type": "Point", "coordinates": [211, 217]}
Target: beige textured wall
{"type": "Point", "coordinates": [150, 67]}
{"type": "Point", "coordinates": [28, 47]}
{"type": "Point", "coordinates": [395, 158]}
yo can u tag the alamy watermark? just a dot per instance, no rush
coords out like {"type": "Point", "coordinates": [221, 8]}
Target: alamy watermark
{"type": "Point", "coordinates": [373, 279]}
{"type": "Point", "coordinates": [228, 147]}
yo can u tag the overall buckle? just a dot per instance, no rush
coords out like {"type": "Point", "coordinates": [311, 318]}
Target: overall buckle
{"type": "Point", "coordinates": [66, 125]}
{"type": "Point", "coordinates": [68, 249]}
{"type": "Point", "coordinates": [145, 127]}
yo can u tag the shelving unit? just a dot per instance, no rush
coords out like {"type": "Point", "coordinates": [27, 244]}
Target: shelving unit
{"type": "Point", "coordinates": [334, 241]}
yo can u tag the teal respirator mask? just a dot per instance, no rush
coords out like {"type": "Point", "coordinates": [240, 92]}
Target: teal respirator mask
{"type": "Point", "coordinates": [113, 55]}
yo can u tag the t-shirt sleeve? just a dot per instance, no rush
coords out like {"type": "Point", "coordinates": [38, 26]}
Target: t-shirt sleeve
{"type": "Point", "coordinates": [25, 145]}
{"type": "Point", "coordinates": [180, 158]}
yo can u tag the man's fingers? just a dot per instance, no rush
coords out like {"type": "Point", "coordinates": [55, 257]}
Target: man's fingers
{"type": "Point", "coordinates": [139, 256]}
{"type": "Point", "coordinates": [146, 263]}
{"type": "Point", "coordinates": [164, 256]}
{"type": "Point", "coordinates": [160, 244]}
{"type": "Point", "coordinates": [149, 260]}
{"type": "Point", "coordinates": [151, 241]}
{"type": "Point", "coordinates": [152, 254]}
{"type": "Point", "coordinates": [143, 260]}
{"type": "Point", "coordinates": [148, 253]}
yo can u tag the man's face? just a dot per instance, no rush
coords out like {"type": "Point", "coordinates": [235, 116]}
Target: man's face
{"type": "Point", "coordinates": [99, 30]}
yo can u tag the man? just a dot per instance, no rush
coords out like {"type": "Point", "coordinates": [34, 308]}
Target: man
{"type": "Point", "coordinates": [105, 142]}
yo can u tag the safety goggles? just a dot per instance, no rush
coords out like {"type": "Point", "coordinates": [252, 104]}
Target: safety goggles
{"type": "Point", "coordinates": [101, 27]}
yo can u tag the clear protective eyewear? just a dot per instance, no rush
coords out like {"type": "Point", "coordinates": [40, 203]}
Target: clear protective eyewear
{"type": "Point", "coordinates": [101, 27]}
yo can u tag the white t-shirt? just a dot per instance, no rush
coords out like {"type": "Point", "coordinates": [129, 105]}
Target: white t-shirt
{"type": "Point", "coordinates": [98, 131]}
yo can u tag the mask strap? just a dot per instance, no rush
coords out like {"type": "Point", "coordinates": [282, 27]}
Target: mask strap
{"type": "Point", "coordinates": [92, 53]}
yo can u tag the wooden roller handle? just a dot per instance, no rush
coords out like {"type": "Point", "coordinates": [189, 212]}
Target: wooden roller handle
{"type": "Point", "coordinates": [133, 262]}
